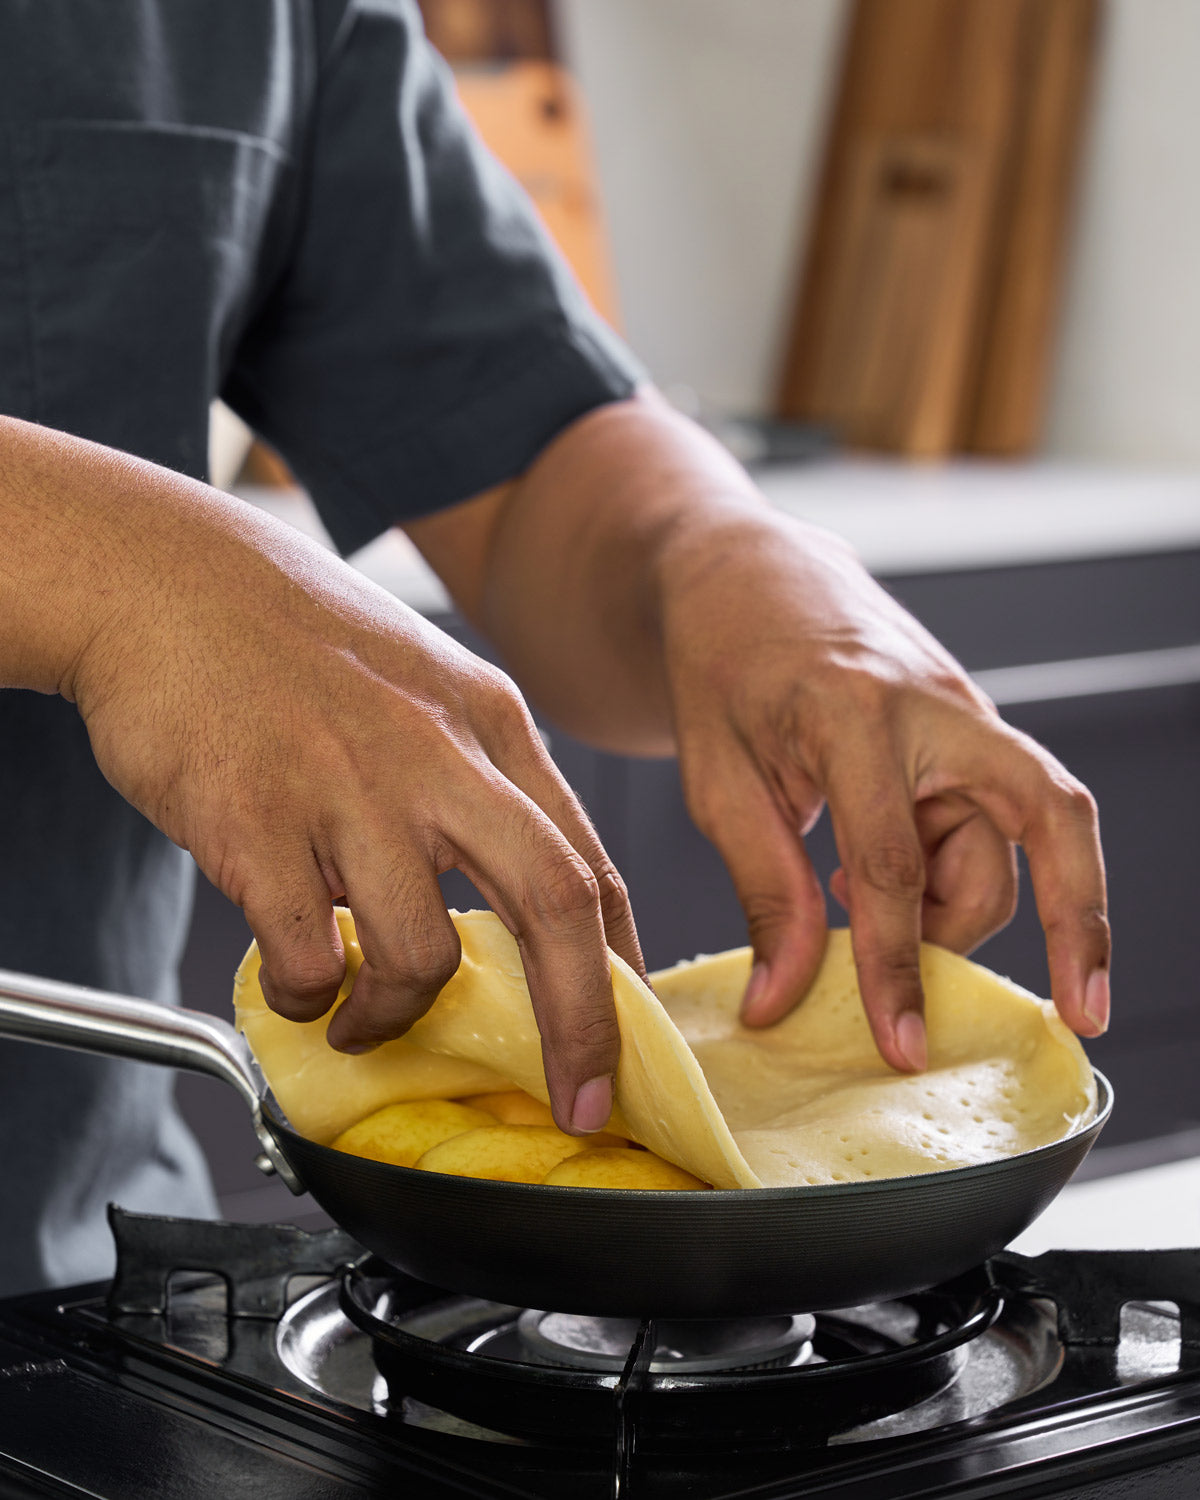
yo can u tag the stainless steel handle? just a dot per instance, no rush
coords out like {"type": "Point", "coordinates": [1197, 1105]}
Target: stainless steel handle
{"type": "Point", "coordinates": [1091, 676]}
{"type": "Point", "coordinates": [87, 1020]}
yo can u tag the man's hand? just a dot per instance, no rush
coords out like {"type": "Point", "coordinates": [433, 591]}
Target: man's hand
{"type": "Point", "coordinates": [690, 617]}
{"type": "Point", "coordinates": [309, 739]}
{"type": "Point", "coordinates": [796, 681]}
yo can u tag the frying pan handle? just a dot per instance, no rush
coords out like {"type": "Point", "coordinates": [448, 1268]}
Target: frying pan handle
{"type": "Point", "coordinates": [87, 1020]}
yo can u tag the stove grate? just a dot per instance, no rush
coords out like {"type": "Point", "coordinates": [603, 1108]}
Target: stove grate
{"type": "Point", "coordinates": [864, 1364]}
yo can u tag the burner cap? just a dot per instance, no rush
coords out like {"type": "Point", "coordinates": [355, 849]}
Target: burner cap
{"type": "Point", "coordinates": [684, 1345]}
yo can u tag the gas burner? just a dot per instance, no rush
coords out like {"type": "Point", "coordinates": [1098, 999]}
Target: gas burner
{"type": "Point", "coordinates": [684, 1346]}
{"type": "Point", "coordinates": [775, 1382]}
{"type": "Point", "coordinates": [1073, 1372]}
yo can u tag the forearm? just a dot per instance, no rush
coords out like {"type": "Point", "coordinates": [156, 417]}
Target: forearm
{"type": "Point", "coordinates": [309, 739]}
{"type": "Point", "coordinates": [91, 535]}
{"type": "Point", "coordinates": [580, 552]}
{"type": "Point", "coordinates": [60, 565]}
{"type": "Point", "coordinates": [644, 593]}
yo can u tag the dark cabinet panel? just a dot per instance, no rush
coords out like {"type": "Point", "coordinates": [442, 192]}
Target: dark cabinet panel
{"type": "Point", "coordinates": [998, 617]}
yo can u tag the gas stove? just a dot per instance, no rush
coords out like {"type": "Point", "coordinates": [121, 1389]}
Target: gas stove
{"type": "Point", "coordinates": [232, 1360]}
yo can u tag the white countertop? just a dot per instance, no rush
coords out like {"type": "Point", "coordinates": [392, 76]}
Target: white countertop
{"type": "Point", "coordinates": [903, 518]}
{"type": "Point", "coordinates": [1157, 1208]}
{"type": "Point", "coordinates": [917, 518]}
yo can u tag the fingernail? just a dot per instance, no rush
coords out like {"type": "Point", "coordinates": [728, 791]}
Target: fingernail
{"type": "Point", "coordinates": [910, 1040]}
{"type": "Point", "coordinates": [593, 1105]}
{"type": "Point", "coordinates": [759, 976]}
{"type": "Point", "coordinates": [1096, 1000]}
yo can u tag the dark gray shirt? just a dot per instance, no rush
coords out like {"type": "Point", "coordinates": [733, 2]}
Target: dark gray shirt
{"type": "Point", "coordinates": [278, 202]}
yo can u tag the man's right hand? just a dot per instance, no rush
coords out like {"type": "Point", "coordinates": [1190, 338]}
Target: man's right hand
{"type": "Point", "coordinates": [310, 739]}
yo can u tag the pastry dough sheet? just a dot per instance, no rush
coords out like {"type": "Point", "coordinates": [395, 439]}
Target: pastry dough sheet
{"type": "Point", "coordinates": [810, 1101]}
{"type": "Point", "coordinates": [806, 1101]}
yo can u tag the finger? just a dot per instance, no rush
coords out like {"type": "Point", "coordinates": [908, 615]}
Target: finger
{"type": "Point", "coordinates": [884, 885]}
{"type": "Point", "coordinates": [548, 897]}
{"type": "Point", "coordinates": [970, 874]}
{"type": "Point", "coordinates": [303, 964]}
{"type": "Point", "coordinates": [410, 950]}
{"type": "Point", "coordinates": [1058, 826]}
{"type": "Point", "coordinates": [1035, 802]}
{"type": "Point", "coordinates": [528, 765]}
{"type": "Point", "coordinates": [775, 882]}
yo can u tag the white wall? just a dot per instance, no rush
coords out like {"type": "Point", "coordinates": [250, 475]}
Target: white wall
{"type": "Point", "coordinates": [707, 119]}
{"type": "Point", "coordinates": [1128, 378]}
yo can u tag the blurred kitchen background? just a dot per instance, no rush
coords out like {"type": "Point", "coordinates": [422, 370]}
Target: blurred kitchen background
{"type": "Point", "coordinates": [931, 268]}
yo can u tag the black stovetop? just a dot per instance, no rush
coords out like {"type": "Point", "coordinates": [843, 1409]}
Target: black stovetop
{"type": "Point", "coordinates": [271, 1392]}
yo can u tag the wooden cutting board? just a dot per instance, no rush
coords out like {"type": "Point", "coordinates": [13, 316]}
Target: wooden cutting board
{"type": "Point", "coordinates": [1004, 412]}
{"type": "Point", "coordinates": [927, 304]}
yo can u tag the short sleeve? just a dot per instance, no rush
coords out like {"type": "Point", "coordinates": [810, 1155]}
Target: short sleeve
{"type": "Point", "coordinates": [424, 340]}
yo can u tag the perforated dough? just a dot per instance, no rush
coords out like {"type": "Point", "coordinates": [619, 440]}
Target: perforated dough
{"type": "Point", "coordinates": [807, 1101]}
{"type": "Point", "coordinates": [810, 1100]}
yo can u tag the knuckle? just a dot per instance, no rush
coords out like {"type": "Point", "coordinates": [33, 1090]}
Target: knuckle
{"type": "Point", "coordinates": [855, 682]}
{"type": "Point", "coordinates": [508, 713]}
{"type": "Point", "coordinates": [1076, 803]}
{"type": "Point", "coordinates": [899, 966]}
{"type": "Point", "coordinates": [988, 906]}
{"type": "Point", "coordinates": [427, 965]}
{"type": "Point", "coordinates": [1052, 790]}
{"type": "Point", "coordinates": [614, 893]}
{"type": "Point", "coordinates": [593, 1037]}
{"type": "Point", "coordinates": [947, 681]}
{"type": "Point", "coordinates": [766, 912]}
{"type": "Point", "coordinates": [973, 927]}
{"type": "Point", "coordinates": [372, 1027]}
{"type": "Point", "coordinates": [995, 907]}
{"type": "Point", "coordinates": [894, 868]}
{"type": "Point", "coordinates": [596, 1034]}
{"type": "Point", "coordinates": [304, 983]}
{"type": "Point", "coordinates": [498, 683]}
{"type": "Point", "coordinates": [564, 892]}
{"type": "Point", "coordinates": [1094, 922]}
{"type": "Point", "coordinates": [1091, 923]}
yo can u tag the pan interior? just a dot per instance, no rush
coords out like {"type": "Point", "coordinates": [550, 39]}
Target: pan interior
{"type": "Point", "coordinates": [807, 1102]}
{"type": "Point", "coordinates": [1078, 1143]}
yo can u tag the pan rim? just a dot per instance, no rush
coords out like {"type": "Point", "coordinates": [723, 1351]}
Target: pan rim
{"type": "Point", "coordinates": [764, 1195]}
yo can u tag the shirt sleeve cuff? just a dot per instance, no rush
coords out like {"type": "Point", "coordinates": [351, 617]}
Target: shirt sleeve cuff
{"type": "Point", "coordinates": [555, 375]}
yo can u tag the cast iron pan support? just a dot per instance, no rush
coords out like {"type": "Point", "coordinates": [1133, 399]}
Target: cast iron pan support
{"type": "Point", "coordinates": [1090, 1287]}
{"type": "Point", "coordinates": [255, 1261]}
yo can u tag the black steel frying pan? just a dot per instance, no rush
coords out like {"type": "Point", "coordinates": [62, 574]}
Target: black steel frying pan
{"type": "Point", "coordinates": [592, 1250]}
